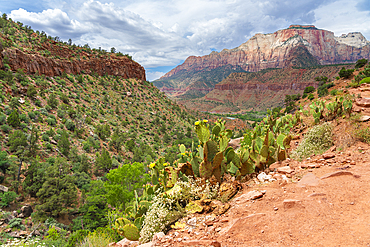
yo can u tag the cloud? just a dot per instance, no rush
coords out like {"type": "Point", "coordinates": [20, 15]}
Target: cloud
{"type": "Point", "coordinates": [344, 17]}
{"type": "Point", "coordinates": [151, 76]}
{"type": "Point", "coordinates": [53, 21]}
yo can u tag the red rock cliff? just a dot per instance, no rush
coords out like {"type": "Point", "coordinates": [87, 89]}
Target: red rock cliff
{"type": "Point", "coordinates": [35, 63]}
{"type": "Point", "coordinates": [272, 50]}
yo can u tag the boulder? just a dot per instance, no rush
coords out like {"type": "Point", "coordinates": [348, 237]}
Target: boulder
{"type": "Point", "coordinates": [4, 188]}
{"type": "Point", "coordinates": [26, 211]}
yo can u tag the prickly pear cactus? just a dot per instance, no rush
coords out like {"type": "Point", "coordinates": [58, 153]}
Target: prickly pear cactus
{"type": "Point", "coordinates": [131, 232]}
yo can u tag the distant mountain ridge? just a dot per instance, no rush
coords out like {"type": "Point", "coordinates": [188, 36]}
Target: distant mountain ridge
{"type": "Point", "coordinates": [298, 46]}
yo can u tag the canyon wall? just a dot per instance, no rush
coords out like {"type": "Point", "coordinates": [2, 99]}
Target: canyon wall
{"type": "Point", "coordinates": [35, 63]}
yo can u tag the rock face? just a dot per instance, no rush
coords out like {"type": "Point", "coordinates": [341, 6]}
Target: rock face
{"type": "Point", "coordinates": [259, 90]}
{"type": "Point", "coordinates": [299, 46]}
{"type": "Point", "coordinates": [35, 63]}
{"type": "Point", "coordinates": [264, 51]}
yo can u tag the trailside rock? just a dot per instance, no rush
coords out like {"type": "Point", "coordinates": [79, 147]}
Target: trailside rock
{"type": "Point", "coordinates": [328, 155]}
{"type": "Point", "coordinates": [308, 180]}
{"type": "Point", "coordinates": [336, 174]}
{"type": "Point", "coordinates": [290, 203]}
{"type": "Point", "coordinates": [251, 195]}
{"type": "Point", "coordinates": [285, 170]}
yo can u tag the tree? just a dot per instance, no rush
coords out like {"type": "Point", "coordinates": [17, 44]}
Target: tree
{"type": "Point", "coordinates": [64, 144]}
{"type": "Point", "coordinates": [123, 181]}
{"type": "Point", "coordinates": [103, 161]}
{"type": "Point", "coordinates": [113, 50]}
{"type": "Point", "coordinates": [31, 91]}
{"type": "Point", "coordinates": [13, 119]}
{"type": "Point", "coordinates": [117, 140]}
{"type": "Point", "coordinates": [4, 161]}
{"type": "Point", "coordinates": [34, 137]}
{"type": "Point", "coordinates": [17, 140]}
{"type": "Point", "coordinates": [94, 209]}
{"type": "Point", "coordinates": [14, 103]}
{"type": "Point", "coordinates": [58, 192]}
{"type": "Point", "coordinates": [34, 177]}
{"type": "Point", "coordinates": [103, 131]}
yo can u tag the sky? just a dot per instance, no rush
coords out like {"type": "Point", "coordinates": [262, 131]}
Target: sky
{"type": "Point", "coordinates": [161, 34]}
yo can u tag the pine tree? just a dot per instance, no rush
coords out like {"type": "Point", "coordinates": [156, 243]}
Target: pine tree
{"type": "Point", "coordinates": [13, 119]}
{"type": "Point", "coordinates": [64, 144]}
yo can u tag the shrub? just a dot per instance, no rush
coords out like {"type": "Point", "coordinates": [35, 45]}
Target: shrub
{"type": "Point", "coordinates": [6, 128]}
{"type": "Point", "coordinates": [52, 101]}
{"type": "Point", "coordinates": [165, 208]}
{"type": "Point", "coordinates": [70, 125]}
{"type": "Point", "coordinates": [38, 103]}
{"type": "Point", "coordinates": [45, 137]}
{"type": "Point", "coordinates": [361, 63]}
{"type": "Point", "coordinates": [363, 134]}
{"type": "Point", "coordinates": [77, 237]}
{"type": "Point", "coordinates": [51, 121]}
{"type": "Point", "coordinates": [365, 80]}
{"type": "Point", "coordinates": [345, 73]}
{"type": "Point", "coordinates": [31, 115]}
{"type": "Point", "coordinates": [2, 118]}
{"type": "Point", "coordinates": [16, 223]}
{"type": "Point", "coordinates": [317, 140]}
{"type": "Point", "coordinates": [7, 198]}
{"type": "Point", "coordinates": [309, 89]}
{"type": "Point", "coordinates": [13, 119]}
{"type": "Point", "coordinates": [64, 98]}
{"type": "Point", "coordinates": [31, 91]}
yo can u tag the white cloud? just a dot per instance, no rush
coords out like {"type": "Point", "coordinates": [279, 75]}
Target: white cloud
{"type": "Point", "coordinates": [344, 17]}
{"type": "Point", "coordinates": [151, 76]}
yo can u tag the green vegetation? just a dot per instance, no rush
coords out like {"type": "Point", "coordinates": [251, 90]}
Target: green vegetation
{"type": "Point", "coordinates": [345, 73]}
{"type": "Point", "coordinates": [316, 141]}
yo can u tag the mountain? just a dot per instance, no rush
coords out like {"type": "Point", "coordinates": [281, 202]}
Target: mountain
{"type": "Point", "coordinates": [298, 46]}
{"type": "Point", "coordinates": [257, 91]}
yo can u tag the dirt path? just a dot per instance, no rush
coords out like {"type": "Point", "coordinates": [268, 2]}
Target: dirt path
{"type": "Point", "coordinates": [325, 206]}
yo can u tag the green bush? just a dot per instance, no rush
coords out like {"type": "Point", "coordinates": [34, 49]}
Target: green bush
{"type": "Point", "coordinates": [365, 80]}
{"type": "Point", "coordinates": [51, 121]}
{"type": "Point", "coordinates": [16, 223]}
{"type": "Point", "coordinates": [6, 128]}
{"type": "Point", "coordinates": [13, 119]}
{"type": "Point", "coordinates": [346, 73]}
{"type": "Point", "coordinates": [45, 137]}
{"type": "Point", "coordinates": [363, 134]}
{"type": "Point", "coordinates": [361, 63]}
{"type": "Point", "coordinates": [317, 140]}
{"type": "Point", "coordinates": [309, 89]}
{"type": "Point", "coordinates": [70, 125]}
{"type": "Point", "coordinates": [31, 115]}
{"type": "Point", "coordinates": [7, 198]}
{"type": "Point", "coordinates": [77, 237]}
{"type": "Point", "coordinates": [2, 118]}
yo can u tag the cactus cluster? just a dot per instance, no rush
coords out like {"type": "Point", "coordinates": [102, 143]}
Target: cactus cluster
{"type": "Point", "coordinates": [330, 111]}
{"type": "Point", "coordinates": [129, 226]}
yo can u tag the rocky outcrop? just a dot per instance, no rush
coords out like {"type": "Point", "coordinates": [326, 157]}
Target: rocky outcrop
{"type": "Point", "coordinates": [260, 90]}
{"type": "Point", "coordinates": [35, 63]}
{"type": "Point", "coordinates": [264, 51]}
{"type": "Point", "coordinates": [296, 46]}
